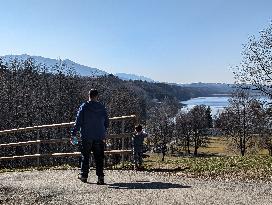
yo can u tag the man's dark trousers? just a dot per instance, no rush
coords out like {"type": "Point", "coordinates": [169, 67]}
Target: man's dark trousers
{"type": "Point", "coordinates": [97, 147]}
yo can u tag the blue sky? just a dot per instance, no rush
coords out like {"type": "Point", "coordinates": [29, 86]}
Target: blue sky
{"type": "Point", "coordinates": [167, 40]}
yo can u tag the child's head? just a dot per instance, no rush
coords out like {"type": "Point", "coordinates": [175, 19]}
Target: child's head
{"type": "Point", "coordinates": [138, 128]}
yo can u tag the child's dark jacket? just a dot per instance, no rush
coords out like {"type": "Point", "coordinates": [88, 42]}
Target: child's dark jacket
{"type": "Point", "coordinates": [138, 141]}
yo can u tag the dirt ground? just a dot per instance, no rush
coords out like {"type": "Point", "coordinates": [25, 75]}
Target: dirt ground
{"type": "Point", "coordinates": [126, 187]}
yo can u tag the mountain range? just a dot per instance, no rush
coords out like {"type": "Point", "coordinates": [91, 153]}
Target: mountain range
{"type": "Point", "coordinates": [126, 76]}
{"type": "Point", "coordinates": [89, 71]}
{"type": "Point", "coordinates": [48, 62]}
{"type": "Point", "coordinates": [79, 69]}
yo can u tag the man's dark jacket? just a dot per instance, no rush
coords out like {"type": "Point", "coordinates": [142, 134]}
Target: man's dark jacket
{"type": "Point", "coordinates": [92, 121]}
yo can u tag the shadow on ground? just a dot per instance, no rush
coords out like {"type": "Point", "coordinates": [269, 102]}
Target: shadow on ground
{"type": "Point", "coordinates": [146, 185]}
{"type": "Point", "coordinates": [170, 170]}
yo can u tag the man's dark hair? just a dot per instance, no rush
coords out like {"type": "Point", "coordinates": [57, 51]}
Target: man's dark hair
{"type": "Point", "coordinates": [138, 128]}
{"type": "Point", "coordinates": [93, 93]}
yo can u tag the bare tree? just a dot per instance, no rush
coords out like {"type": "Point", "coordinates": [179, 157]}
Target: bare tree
{"type": "Point", "coordinates": [192, 127]}
{"type": "Point", "coordinates": [265, 128]}
{"type": "Point", "coordinates": [200, 117]}
{"type": "Point", "coordinates": [256, 66]}
{"type": "Point", "coordinates": [161, 123]}
{"type": "Point", "coordinates": [184, 129]}
{"type": "Point", "coordinates": [241, 120]}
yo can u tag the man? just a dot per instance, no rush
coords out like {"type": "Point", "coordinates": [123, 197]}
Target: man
{"type": "Point", "coordinates": [92, 121]}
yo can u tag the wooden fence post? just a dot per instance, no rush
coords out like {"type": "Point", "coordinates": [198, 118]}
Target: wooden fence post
{"type": "Point", "coordinates": [38, 148]}
{"type": "Point", "coordinates": [123, 142]}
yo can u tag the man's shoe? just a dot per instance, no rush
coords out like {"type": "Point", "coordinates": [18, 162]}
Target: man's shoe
{"type": "Point", "coordinates": [100, 181]}
{"type": "Point", "coordinates": [83, 179]}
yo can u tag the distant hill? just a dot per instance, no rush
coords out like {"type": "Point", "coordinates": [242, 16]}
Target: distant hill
{"type": "Point", "coordinates": [79, 69]}
{"type": "Point", "coordinates": [216, 88]}
{"type": "Point", "coordinates": [154, 89]}
{"type": "Point", "coordinates": [125, 76]}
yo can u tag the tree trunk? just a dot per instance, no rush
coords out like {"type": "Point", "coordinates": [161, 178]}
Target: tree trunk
{"type": "Point", "coordinates": [242, 152]}
{"type": "Point", "coordinates": [188, 145]}
{"type": "Point", "coordinates": [163, 155]}
{"type": "Point", "coordinates": [171, 149]}
{"type": "Point", "coordinates": [241, 147]}
{"type": "Point", "coordinates": [270, 151]}
{"type": "Point", "coordinates": [195, 152]}
{"type": "Point", "coordinates": [196, 146]}
{"type": "Point", "coordinates": [244, 133]}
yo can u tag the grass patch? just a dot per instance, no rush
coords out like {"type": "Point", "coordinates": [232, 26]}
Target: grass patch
{"type": "Point", "coordinates": [218, 145]}
{"type": "Point", "coordinates": [217, 162]}
{"type": "Point", "coordinates": [227, 167]}
{"type": "Point", "coordinates": [253, 167]}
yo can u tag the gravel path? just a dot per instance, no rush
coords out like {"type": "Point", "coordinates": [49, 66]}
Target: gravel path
{"type": "Point", "coordinates": [126, 187]}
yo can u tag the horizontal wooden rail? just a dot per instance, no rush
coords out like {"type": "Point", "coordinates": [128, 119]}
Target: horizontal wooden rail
{"type": "Point", "coordinates": [50, 141]}
{"type": "Point", "coordinates": [61, 125]}
{"type": "Point", "coordinates": [72, 154]}
{"type": "Point", "coordinates": [122, 117]}
{"type": "Point", "coordinates": [61, 140]}
{"type": "Point", "coordinates": [28, 129]}
{"type": "Point", "coordinates": [39, 141]}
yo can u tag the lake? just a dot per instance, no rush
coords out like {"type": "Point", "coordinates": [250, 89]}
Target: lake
{"type": "Point", "coordinates": [217, 103]}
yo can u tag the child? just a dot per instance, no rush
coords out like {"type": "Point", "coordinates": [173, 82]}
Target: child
{"type": "Point", "coordinates": [137, 144]}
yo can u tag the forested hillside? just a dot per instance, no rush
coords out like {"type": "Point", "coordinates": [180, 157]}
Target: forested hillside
{"type": "Point", "coordinates": [30, 95]}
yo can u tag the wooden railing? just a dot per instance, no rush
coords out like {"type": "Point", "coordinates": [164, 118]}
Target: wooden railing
{"type": "Point", "coordinates": [39, 141]}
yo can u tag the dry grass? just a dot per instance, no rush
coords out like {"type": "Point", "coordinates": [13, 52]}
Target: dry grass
{"type": "Point", "coordinates": [216, 161]}
{"type": "Point", "coordinates": [218, 145]}
{"type": "Point", "coordinates": [252, 167]}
